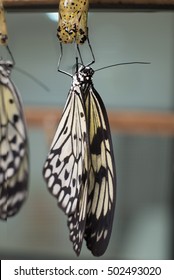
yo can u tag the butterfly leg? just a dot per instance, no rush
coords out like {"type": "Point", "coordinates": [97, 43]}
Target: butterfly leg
{"type": "Point", "coordinates": [79, 53]}
{"type": "Point", "coordinates": [59, 62]}
{"type": "Point", "coordinates": [10, 53]}
{"type": "Point", "coordinates": [91, 50]}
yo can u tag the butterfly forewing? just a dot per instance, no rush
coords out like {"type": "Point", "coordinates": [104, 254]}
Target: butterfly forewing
{"type": "Point", "coordinates": [97, 200]}
{"type": "Point", "coordinates": [14, 162]}
{"type": "Point", "coordinates": [63, 170]}
{"type": "Point", "coordinates": [102, 177]}
{"type": "Point", "coordinates": [13, 133]}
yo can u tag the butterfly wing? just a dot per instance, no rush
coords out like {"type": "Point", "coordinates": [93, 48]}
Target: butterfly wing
{"type": "Point", "coordinates": [64, 166]}
{"type": "Point", "coordinates": [102, 176]}
{"type": "Point", "coordinates": [14, 163]}
{"type": "Point", "coordinates": [77, 220]}
{"type": "Point", "coordinates": [15, 191]}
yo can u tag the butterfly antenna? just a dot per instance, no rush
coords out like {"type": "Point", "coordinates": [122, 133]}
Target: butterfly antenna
{"type": "Point", "coordinates": [37, 81]}
{"type": "Point", "coordinates": [120, 64]}
{"type": "Point", "coordinates": [10, 53]}
{"type": "Point", "coordinates": [91, 50]}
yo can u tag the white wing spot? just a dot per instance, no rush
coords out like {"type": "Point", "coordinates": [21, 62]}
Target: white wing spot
{"type": "Point", "coordinates": [10, 172]}
{"type": "Point", "coordinates": [47, 173]}
{"type": "Point", "coordinates": [74, 205]}
{"type": "Point", "coordinates": [68, 209]}
{"type": "Point", "coordinates": [56, 189]}
{"type": "Point", "coordinates": [50, 181]}
{"type": "Point", "coordinates": [105, 233]}
{"type": "Point", "coordinates": [61, 195]}
{"type": "Point", "coordinates": [65, 201]}
{"type": "Point", "coordinates": [71, 226]}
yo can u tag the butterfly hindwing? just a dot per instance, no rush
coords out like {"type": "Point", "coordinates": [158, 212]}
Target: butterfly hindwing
{"type": "Point", "coordinates": [77, 220]}
{"type": "Point", "coordinates": [16, 190]}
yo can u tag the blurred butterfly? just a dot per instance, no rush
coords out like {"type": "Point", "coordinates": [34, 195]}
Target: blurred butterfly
{"type": "Point", "coordinates": [14, 158]}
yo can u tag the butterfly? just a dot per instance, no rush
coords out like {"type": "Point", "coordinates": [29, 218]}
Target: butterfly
{"type": "Point", "coordinates": [80, 167]}
{"type": "Point", "coordinates": [14, 154]}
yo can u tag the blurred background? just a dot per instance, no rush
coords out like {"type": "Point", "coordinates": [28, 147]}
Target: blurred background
{"type": "Point", "coordinates": [143, 224]}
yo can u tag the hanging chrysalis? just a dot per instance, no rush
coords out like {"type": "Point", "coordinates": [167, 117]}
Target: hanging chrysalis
{"type": "Point", "coordinates": [80, 167]}
{"type": "Point", "coordinates": [14, 161]}
{"type": "Point", "coordinates": [3, 26]}
{"type": "Point", "coordinates": [72, 25]}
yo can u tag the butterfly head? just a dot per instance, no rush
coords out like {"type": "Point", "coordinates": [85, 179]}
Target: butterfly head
{"type": "Point", "coordinates": [84, 74]}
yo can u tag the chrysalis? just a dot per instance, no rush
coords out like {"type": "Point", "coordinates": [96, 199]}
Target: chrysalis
{"type": "Point", "coordinates": [72, 25]}
{"type": "Point", "coordinates": [3, 27]}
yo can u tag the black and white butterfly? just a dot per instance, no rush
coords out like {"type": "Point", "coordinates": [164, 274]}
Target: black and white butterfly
{"type": "Point", "coordinates": [80, 168]}
{"type": "Point", "coordinates": [14, 158]}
